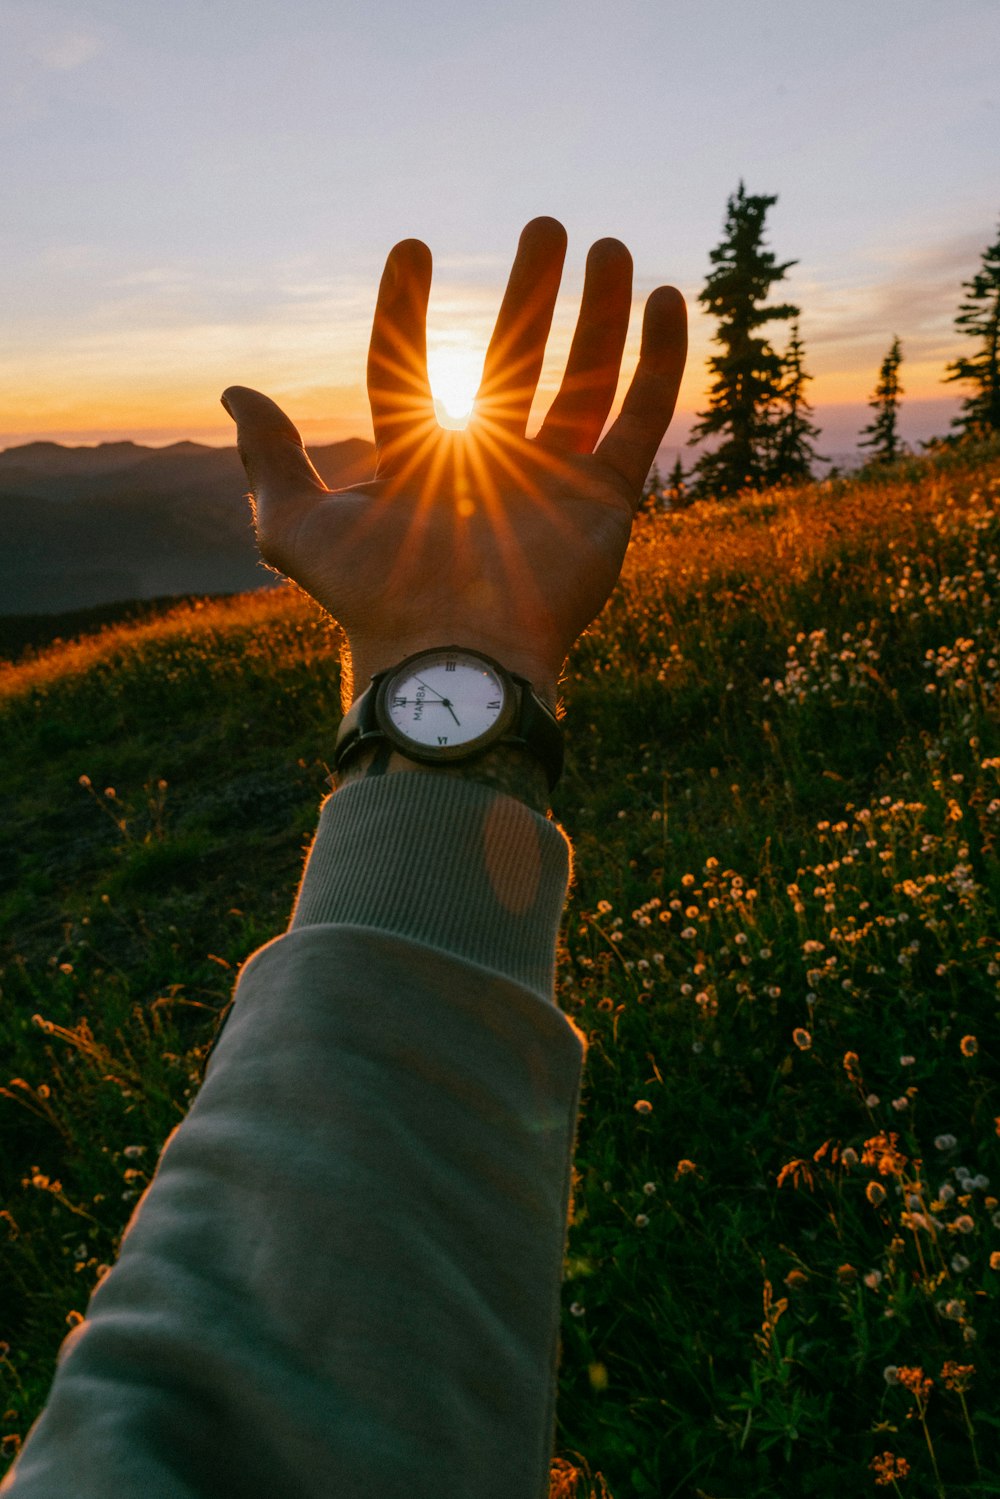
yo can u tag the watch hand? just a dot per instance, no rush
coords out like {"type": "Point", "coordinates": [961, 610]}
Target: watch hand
{"type": "Point", "coordinates": [442, 701]}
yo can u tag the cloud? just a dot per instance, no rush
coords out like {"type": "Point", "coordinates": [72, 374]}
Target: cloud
{"type": "Point", "coordinates": [916, 299]}
{"type": "Point", "coordinates": [67, 50]}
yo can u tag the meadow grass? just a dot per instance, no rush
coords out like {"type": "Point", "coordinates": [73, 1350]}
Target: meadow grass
{"type": "Point", "coordinates": [783, 787]}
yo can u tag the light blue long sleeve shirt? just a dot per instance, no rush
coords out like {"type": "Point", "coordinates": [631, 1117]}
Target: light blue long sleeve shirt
{"type": "Point", "coordinates": [343, 1281]}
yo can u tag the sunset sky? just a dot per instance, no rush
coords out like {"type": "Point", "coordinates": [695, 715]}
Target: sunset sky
{"type": "Point", "coordinates": [200, 192]}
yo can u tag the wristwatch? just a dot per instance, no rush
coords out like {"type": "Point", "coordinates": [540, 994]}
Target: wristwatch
{"type": "Point", "coordinates": [448, 705]}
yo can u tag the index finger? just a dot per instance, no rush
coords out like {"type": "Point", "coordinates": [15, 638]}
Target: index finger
{"type": "Point", "coordinates": [631, 443]}
{"type": "Point", "coordinates": [398, 388]}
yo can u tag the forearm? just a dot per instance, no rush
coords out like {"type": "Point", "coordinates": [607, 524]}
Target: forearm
{"type": "Point", "coordinates": [505, 769]}
{"type": "Point", "coordinates": [346, 1272]}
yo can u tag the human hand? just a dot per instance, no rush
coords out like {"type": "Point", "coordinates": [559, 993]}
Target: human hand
{"type": "Point", "coordinates": [480, 537]}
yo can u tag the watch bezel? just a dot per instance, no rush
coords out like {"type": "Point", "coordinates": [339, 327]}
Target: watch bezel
{"type": "Point", "coordinates": [434, 754]}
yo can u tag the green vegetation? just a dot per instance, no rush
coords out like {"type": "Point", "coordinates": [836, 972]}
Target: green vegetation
{"type": "Point", "coordinates": [782, 946]}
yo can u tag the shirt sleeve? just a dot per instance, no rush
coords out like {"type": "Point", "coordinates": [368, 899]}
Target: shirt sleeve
{"type": "Point", "coordinates": [343, 1279]}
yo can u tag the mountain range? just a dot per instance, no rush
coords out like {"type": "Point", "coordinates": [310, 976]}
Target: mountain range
{"type": "Point", "coordinates": [83, 526]}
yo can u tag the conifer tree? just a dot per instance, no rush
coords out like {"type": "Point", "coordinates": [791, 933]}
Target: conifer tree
{"type": "Point", "coordinates": [652, 494]}
{"type": "Point", "coordinates": [677, 485]}
{"type": "Point", "coordinates": [979, 317]}
{"type": "Point", "coordinates": [748, 372]}
{"type": "Point", "coordinates": [882, 436]}
{"type": "Point", "coordinates": [792, 450]}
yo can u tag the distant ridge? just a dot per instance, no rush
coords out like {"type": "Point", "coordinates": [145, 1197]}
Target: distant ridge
{"type": "Point", "coordinates": [84, 526]}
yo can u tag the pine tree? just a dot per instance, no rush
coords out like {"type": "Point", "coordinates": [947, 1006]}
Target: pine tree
{"type": "Point", "coordinates": [748, 372]}
{"type": "Point", "coordinates": [979, 317]}
{"type": "Point", "coordinates": [883, 437]}
{"type": "Point", "coordinates": [677, 486]}
{"type": "Point", "coordinates": [652, 494]}
{"type": "Point", "coordinates": [792, 451]}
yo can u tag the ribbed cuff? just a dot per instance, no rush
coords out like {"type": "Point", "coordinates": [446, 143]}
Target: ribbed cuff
{"type": "Point", "coordinates": [446, 862]}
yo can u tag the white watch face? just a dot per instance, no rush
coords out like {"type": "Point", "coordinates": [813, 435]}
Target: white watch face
{"type": "Point", "coordinates": [445, 701]}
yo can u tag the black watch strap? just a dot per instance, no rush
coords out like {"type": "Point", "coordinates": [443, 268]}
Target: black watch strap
{"type": "Point", "coordinates": [535, 729]}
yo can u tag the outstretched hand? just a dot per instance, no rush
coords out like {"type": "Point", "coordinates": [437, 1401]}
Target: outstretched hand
{"type": "Point", "coordinates": [481, 537]}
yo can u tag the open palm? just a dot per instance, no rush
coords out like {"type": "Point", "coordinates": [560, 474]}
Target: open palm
{"type": "Point", "coordinates": [481, 538]}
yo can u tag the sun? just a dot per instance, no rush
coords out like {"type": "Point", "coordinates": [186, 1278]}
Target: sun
{"type": "Point", "coordinates": [455, 370]}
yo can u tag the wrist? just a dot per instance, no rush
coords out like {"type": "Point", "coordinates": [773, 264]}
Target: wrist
{"type": "Point", "coordinates": [367, 660]}
{"type": "Point", "coordinates": [505, 768]}
{"type": "Point", "coordinates": [451, 707]}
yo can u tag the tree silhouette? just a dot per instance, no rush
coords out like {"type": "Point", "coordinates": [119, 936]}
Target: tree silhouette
{"type": "Point", "coordinates": [979, 317]}
{"type": "Point", "coordinates": [652, 494]}
{"type": "Point", "coordinates": [792, 450]}
{"type": "Point", "coordinates": [748, 372]}
{"type": "Point", "coordinates": [677, 490]}
{"type": "Point", "coordinates": [882, 436]}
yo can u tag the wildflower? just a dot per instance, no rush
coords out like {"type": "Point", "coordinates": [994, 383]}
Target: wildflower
{"type": "Point", "coordinates": [875, 1193]}
{"type": "Point", "coordinates": [688, 933]}
{"type": "Point", "coordinates": [109, 792]}
{"type": "Point", "coordinates": [945, 1142]}
{"type": "Point", "coordinates": [873, 1279]}
{"type": "Point", "coordinates": [959, 1264]}
{"type": "Point", "coordinates": [603, 907]}
{"type": "Point", "coordinates": [740, 939]}
{"type": "Point", "coordinates": [577, 1309]}
{"type": "Point", "coordinates": [915, 1380]}
{"type": "Point", "coordinates": [957, 1376]}
{"type": "Point", "coordinates": [649, 1188]}
{"type": "Point", "coordinates": [641, 1221]}
{"type": "Point", "coordinates": [84, 780]}
{"type": "Point", "coordinates": [73, 1319]}
{"type": "Point", "coordinates": [887, 1467]}
{"type": "Point", "coordinates": [846, 1274]}
{"type": "Point", "coordinates": [802, 1038]}
{"type": "Point", "coordinates": [133, 1152]}
{"type": "Point", "coordinates": [799, 1173]}
{"type": "Point", "coordinates": [873, 1101]}
{"type": "Point", "coordinates": [995, 1260]}
{"type": "Point", "coordinates": [66, 968]}
{"type": "Point", "coordinates": [849, 1156]}
{"type": "Point", "coordinates": [907, 1061]}
{"type": "Point", "coordinates": [643, 1106]}
{"type": "Point", "coordinates": [796, 1279]}
{"type": "Point", "coordinates": [901, 1103]}
{"type": "Point", "coordinates": [968, 1046]}
{"type": "Point", "coordinates": [684, 1168]}
{"type": "Point", "coordinates": [965, 1224]}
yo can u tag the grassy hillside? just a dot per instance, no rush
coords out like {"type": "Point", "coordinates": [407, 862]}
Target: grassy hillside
{"type": "Point", "coordinates": [784, 792]}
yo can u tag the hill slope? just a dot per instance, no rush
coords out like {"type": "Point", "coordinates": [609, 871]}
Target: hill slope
{"type": "Point", "coordinates": [784, 793]}
{"type": "Point", "coordinates": [90, 526]}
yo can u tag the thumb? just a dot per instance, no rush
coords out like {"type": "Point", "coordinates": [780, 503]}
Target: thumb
{"type": "Point", "coordinates": [276, 462]}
